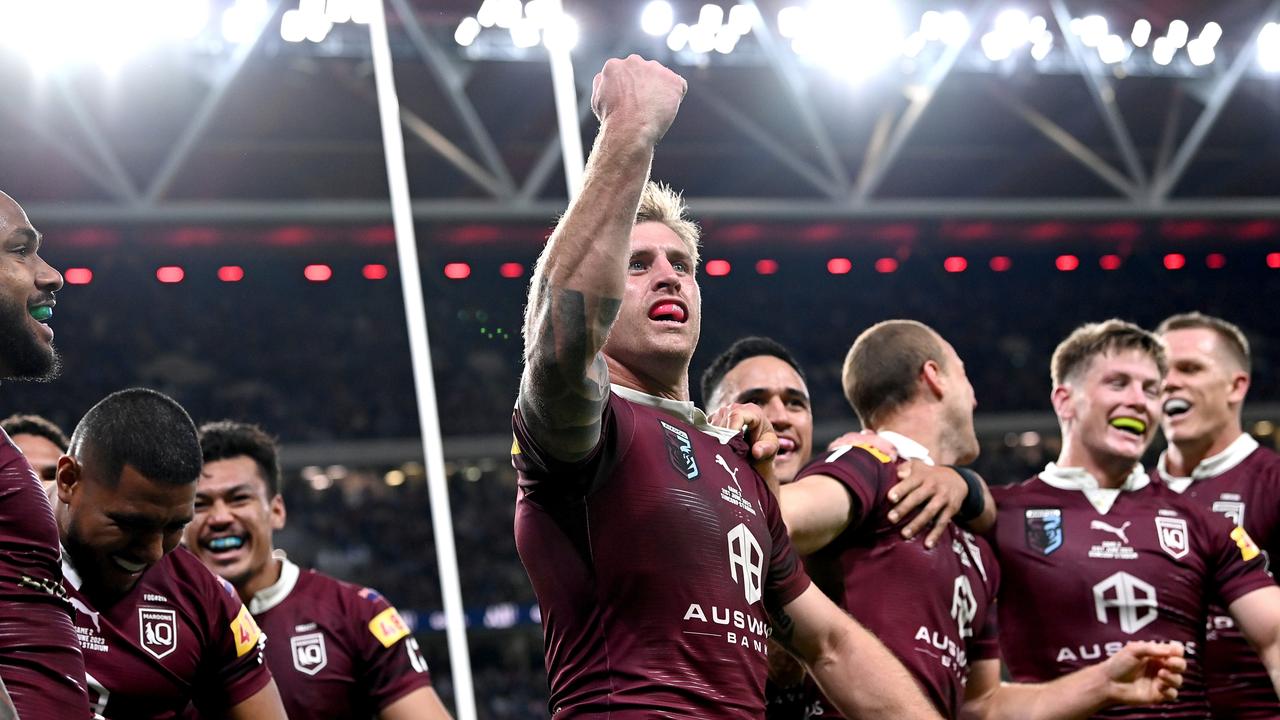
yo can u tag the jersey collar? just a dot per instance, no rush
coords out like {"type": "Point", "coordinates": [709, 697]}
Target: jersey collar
{"type": "Point", "coordinates": [69, 572]}
{"type": "Point", "coordinates": [1076, 478]}
{"type": "Point", "coordinates": [907, 448]}
{"type": "Point", "coordinates": [269, 597]}
{"type": "Point", "coordinates": [1235, 453]}
{"type": "Point", "coordinates": [682, 409]}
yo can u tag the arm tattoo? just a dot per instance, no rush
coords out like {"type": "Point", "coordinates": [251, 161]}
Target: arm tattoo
{"type": "Point", "coordinates": [566, 383]}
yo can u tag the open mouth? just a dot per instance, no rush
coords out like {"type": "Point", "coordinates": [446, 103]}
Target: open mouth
{"type": "Point", "coordinates": [41, 313]}
{"type": "Point", "coordinates": [668, 310]}
{"type": "Point", "coordinates": [1131, 425]}
{"type": "Point", "coordinates": [786, 446]}
{"type": "Point", "coordinates": [224, 544]}
{"type": "Point", "coordinates": [1174, 407]}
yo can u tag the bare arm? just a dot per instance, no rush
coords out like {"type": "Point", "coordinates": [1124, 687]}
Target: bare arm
{"type": "Point", "coordinates": [262, 705]}
{"type": "Point", "coordinates": [1258, 616]}
{"type": "Point", "coordinates": [421, 704]}
{"type": "Point", "coordinates": [815, 509]}
{"type": "Point", "coordinates": [1142, 673]}
{"type": "Point", "coordinates": [7, 710]}
{"type": "Point", "coordinates": [855, 670]}
{"type": "Point", "coordinates": [578, 285]}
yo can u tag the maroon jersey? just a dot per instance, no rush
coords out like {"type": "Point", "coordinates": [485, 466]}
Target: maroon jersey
{"type": "Point", "coordinates": [181, 636]}
{"type": "Point", "coordinates": [934, 609]}
{"type": "Point", "coordinates": [1242, 483]}
{"type": "Point", "coordinates": [1087, 569]}
{"type": "Point", "coordinates": [337, 650]}
{"type": "Point", "coordinates": [40, 660]}
{"type": "Point", "coordinates": [654, 560]}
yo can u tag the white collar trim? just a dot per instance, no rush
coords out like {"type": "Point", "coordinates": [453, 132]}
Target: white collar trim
{"type": "Point", "coordinates": [69, 572]}
{"type": "Point", "coordinates": [269, 597]}
{"type": "Point", "coordinates": [682, 409]}
{"type": "Point", "coordinates": [907, 448]}
{"type": "Point", "coordinates": [1076, 478]}
{"type": "Point", "coordinates": [1234, 454]}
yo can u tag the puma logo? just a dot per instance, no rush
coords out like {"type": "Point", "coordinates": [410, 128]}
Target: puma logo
{"type": "Point", "coordinates": [733, 472]}
{"type": "Point", "coordinates": [1117, 531]}
{"type": "Point", "coordinates": [82, 608]}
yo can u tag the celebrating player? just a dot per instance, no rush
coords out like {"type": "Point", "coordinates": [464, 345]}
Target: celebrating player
{"type": "Point", "coordinates": [1094, 554]}
{"type": "Point", "coordinates": [159, 631]}
{"type": "Point", "coordinates": [653, 544]}
{"type": "Point", "coordinates": [40, 441]}
{"type": "Point", "coordinates": [1214, 463]}
{"type": "Point", "coordinates": [337, 650]}
{"type": "Point", "coordinates": [40, 660]}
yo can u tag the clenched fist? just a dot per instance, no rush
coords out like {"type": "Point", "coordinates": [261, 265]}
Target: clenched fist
{"type": "Point", "coordinates": [640, 95]}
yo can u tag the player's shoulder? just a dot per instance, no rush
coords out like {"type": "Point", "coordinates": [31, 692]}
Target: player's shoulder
{"type": "Point", "coordinates": [349, 598]}
{"type": "Point", "coordinates": [183, 574]}
{"type": "Point", "coordinates": [1015, 493]}
{"type": "Point", "coordinates": [1267, 461]}
{"type": "Point", "coordinates": [862, 456]}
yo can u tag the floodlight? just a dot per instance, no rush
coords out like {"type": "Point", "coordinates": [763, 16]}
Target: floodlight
{"type": "Point", "coordinates": [931, 25]}
{"type": "Point", "coordinates": [1199, 52]}
{"type": "Point", "coordinates": [742, 18]}
{"type": "Point", "coordinates": [1041, 47]}
{"type": "Point", "coordinates": [524, 34]}
{"type": "Point", "coordinates": [791, 22]}
{"type": "Point", "coordinates": [467, 32]}
{"type": "Point", "coordinates": [1092, 30]}
{"type": "Point", "coordinates": [1112, 49]}
{"type": "Point", "coordinates": [1163, 50]}
{"type": "Point", "coordinates": [293, 26]}
{"type": "Point", "coordinates": [657, 17]}
{"type": "Point", "coordinates": [561, 34]}
{"type": "Point", "coordinates": [338, 11]}
{"type": "Point", "coordinates": [702, 38]}
{"type": "Point", "coordinates": [1269, 49]}
{"type": "Point", "coordinates": [1141, 33]}
{"type": "Point", "coordinates": [678, 38]}
{"type": "Point", "coordinates": [1178, 33]}
{"type": "Point", "coordinates": [726, 40]}
{"type": "Point", "coordinates": [487, 15]}
{"type": "Point", "coordinates": [711, 16]}
{"type": "Point", "coordinates": [995, 47]}
{"type": "Point", "coordinates": [1211, 34]}
{"type": "Point", "coordinates": [955, 28]}
{"type": "Point", "coordinates": [241, 20]}
{"type": "Point", "coordinates": [541, 12]}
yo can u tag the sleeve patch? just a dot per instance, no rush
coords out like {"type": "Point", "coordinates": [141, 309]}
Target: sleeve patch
{"type": "Point", "coordinates": [515, 446]}
{"type": "Point", "coordinates": [245, 631]}
{"type": "Point", "coordinates": [875, 452]}
{"type": "Point", "coordinates": [1248, 548]}
{"type": "Point", "coordinates": [388, 627]}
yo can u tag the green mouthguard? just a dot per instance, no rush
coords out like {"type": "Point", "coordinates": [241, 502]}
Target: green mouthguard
{"type": "Point", "coordinates": [42, 313]}
{"type": "Point", "coordinates": [1133, 424]}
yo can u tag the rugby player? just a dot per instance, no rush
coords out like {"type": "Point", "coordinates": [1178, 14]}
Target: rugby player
{"type": "Point", "coordinates": [160, 632]}
{"type": "Point", "coordinates": [40, 441]}
{"type": "Point", "coordinates": [1213, 462]}
{"type": "Point", "coordinates": [337, 650]}
{"type": "Point", "coordinates": [654, 545]}
{"type": "Point", "coordinates": [1094, 554]}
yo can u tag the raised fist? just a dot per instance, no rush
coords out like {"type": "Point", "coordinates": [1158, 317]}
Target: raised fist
{"type": "Point", "coordinates": [639, 95]}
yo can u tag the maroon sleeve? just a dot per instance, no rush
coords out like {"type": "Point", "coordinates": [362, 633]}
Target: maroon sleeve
{"type": "Point", "coordinates": [787, 578]}
{"type": "Point", "coordinates": [985, 643]}
{"type": "Point", "coordinates": [537, 467]}
{"type": "Point", "coordinates": [234, 667]}
{"type": "Point", "coordinates": [1237, 564]}
{"type": "Point", "coordinates": [391, 665]}
{"type": "Point", "coordinates": [860, 471]}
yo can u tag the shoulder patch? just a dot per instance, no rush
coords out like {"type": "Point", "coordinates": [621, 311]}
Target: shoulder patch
{"type": "Point", "coordinates": [515, 446]}
{"type": "Point", "coordinates": [245, 631]}
{"type": "Point", "coordinates": [875, 452]}
{"type": "Point", "coordinates": [388, 627]}
{"type": "Point", "coordinates": [370, 594]}
{"type": "Point", "coordinates": [1248, 548]}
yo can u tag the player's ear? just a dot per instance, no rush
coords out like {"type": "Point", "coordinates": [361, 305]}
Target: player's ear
{"type": "Point", "coordinates": [68, 478]}
{"type": "Point", "coordinates": [277, 512]}
{"type": "Point", "coordinates": [1239, 388]}
{"type": "Point", "coordinates": [1061, 399]}
{"type": "Point", "coordinates": [931, 376]}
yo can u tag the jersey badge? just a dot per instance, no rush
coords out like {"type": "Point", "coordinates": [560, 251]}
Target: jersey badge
{"type": "Point", "coordinates": [1044, 529]}
{"type": "Point", "coordinates": [309, 654]}
{"type": "Point", "coordinates": [388, 627]}
{"type": "Point", "coordinates": [158, 631]}
{"type": "Point", "coordinates": [680, 451]}
{"type": "Point", "coordinates": [1172, 533]}
{"type": "Point", "coordinates": [245, 631]}
{"type": "Point", "coordinates": [1248, 548]}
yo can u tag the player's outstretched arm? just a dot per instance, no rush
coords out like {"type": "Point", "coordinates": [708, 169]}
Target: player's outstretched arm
{"type": "Point", "coordinates": [1258, 616]}
{"type": "Point", "coordinates": [1142, 673]}
{"type": "Point", "coordinates": [815, 509]}
{"type": "Point", "coordinates": [855, 670]}
{"type": "Point", "coordinates": [578, 284]}
{"type": "Point", "coordinates": [262, 705]}
{"type": "Point", "coordinates": [421, 704]}
{"type": "Point", "coordinates": [7, 710]}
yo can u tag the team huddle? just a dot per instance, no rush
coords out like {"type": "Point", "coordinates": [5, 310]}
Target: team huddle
{"type": "Point", "coordinates": [138, 578]}
{"type": "Point", "coordinates": [716, 566]}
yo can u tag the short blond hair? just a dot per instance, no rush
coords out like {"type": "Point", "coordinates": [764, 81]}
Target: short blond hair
{"type": "Point", "coordinates": [1072, 357]}
{"type": "Point", "coordinates": [1231, 335]}
{"type": "Point", "coordinates": [882, 370]}
{"type": "Point", "coordinates": [659, 203]}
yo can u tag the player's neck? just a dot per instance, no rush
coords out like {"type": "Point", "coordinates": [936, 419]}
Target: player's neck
{"type": "Point", "coordinates": [1183, 457]}
{"type": "Point", "coordinates": [269, 576]}
{"type": "Point", "coordinates": [1110, 471]}
{"type": "Point", "coordinates": [674, 387]}
{"type": "Point", "coordinates": [917, 424]}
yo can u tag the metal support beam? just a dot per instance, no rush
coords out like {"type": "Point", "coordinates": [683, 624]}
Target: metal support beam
{"type": "Point", "coordinates": [780, 209]}
{"type": "Point", "coordinates": [546, 162]}
{"type": "Point", "coordinates": [123, 184]}
{"type": "Point", "coordinates": [1065, 140]}
{"type": "Point", "coordinates": [1222, 90]}
{"type": "Point", "coordinates": [58, 144]}
{"type": "Point", "coordinates": [453, 83]}
{"type": "Point", "coordinates": [784, 64]}
{"type": "Point", "coordinates": [1103, 94]}
{"type": "Point", "coordinates": [764, 139]}
{"type": "Point", "coordinates": [871, 177]}
{"type": "Point", "coordinates": [226, 76]}
{"type": "Point", "coordinates": [1169, 133]}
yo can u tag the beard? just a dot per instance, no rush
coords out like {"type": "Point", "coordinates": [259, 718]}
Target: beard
{"type": "Point", "coordinates": [24, 356]}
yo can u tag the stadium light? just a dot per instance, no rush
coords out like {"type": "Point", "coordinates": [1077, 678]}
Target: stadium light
{"type": "Point", "coordinates": [338, 11]}
{"type": "Point", "coordinates": [1141, 34]}
{"type": "Point", "coordinates": [1092, 30]}
{"type": "Point", "coordinates": [467, 32]}
{"type": "Point", "coordinates": [955, 28]}
{"type": "Point", "coordinates": [742, 18]}
{"type": "Point", "coordinates": [1211, 34]}
{"type": "Point", "coordinates": [678, 38]}
{"type": "Point", "coordinates": [792, 22]}
{"type": "Point", "coordinates": [487, 15]}
{"type": "Point", "coordinates": [850, 40]}
{"type": "Point", "coordinates": [711, 16]}
{"type": "Point", "coordinates": [1178, 33]}
{"type": "Point", "coordinates": [1269, 48]}
{"type": "Point", "coordinates": [507, 13]}
{"type": "Point", "coordinates": [1163, 50]}
{"type": "Point", "coordinates": [293, 26]}
{"type": "Point", "coordinates": [541, 12]}
{"type": "Point", "coordinates": [1043, 44]}
{"type": "Point", "coordinates": [995, 47]}
{"type": "Point", "coordinates": [1112, 49]}
{"type": "Point", "coordinates": [657, 18]}
{"type": "Point", "coordinates": [561, 33]}
{"type": "Point", "coordinates": [726, 40]}
{"type": "Point", "coordinates": [1199, 52]}
{"type": "Point", "coordinates": [241, 20]}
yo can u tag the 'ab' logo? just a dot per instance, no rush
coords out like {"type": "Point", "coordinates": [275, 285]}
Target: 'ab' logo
{"type": "Point", "coordinates": [1133, 600]}
{"type": "Point", "coordinates": [745, 556]}
{"type": "Point", "coordinates": [1044, 529]}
